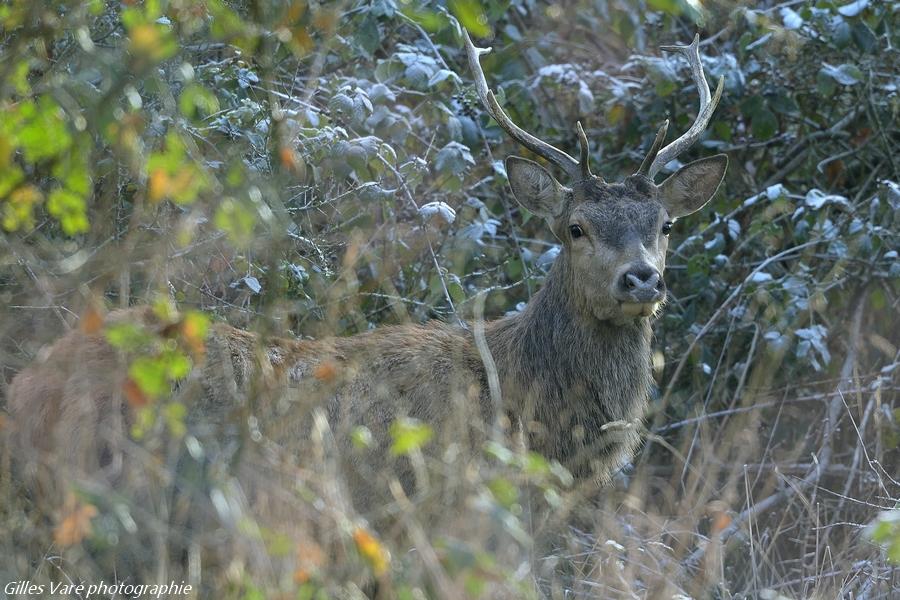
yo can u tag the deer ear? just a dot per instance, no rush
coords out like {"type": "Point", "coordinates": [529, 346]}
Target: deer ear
{"type": "Point", "coordinates": [535, 188]}
{"type": "Point", "coordinates": [692, 186]}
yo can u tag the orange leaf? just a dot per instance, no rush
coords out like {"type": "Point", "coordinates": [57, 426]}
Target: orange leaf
{"type": "Point", "coordinates": [75, 524]}
{"type": "Point", "coordinates": [325, 371]}
{"type": "Point", "coordinates": [136, 398]}
{"type": "Point", "coordinates": [292, 162]}
{"type": "Point", "coordinates": [91, 321]}
{"type": "Point", "coordinates": [834, 171]}
{"type": "Point", "coordinates": [310, 558]}
{"type": "Point", "coordinates": [721, 520]}
{"type": "Point", "coordinates": [194, 327]}
{"type": "Point", "coordinates": [160, 184]}
{"type": "Point", "coordinates": [310, 554]}
{"type": "Point", "coordinates": [859, 138]}
{"type": "Point", "coordinates": [288, 157]}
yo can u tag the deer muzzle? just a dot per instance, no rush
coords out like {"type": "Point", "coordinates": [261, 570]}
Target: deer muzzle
{"type": "Point", "coordinates": [641, 284]}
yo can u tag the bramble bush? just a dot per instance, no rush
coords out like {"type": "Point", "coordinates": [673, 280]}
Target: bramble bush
{"type": "Point", "coordinates": [313, 169]}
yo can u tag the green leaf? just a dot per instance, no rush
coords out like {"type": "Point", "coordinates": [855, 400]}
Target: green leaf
{"type": "Point", "coordinates": [764, 125]}
{"type": "Point", "coordinates": [10, 177]}
{"type": "Point", "coordinates": [535, 464]}
{"type": "Point", "coordinates": [177, 365]}
{"type": "Point", "coordinates": [453, 158]}
{"type": "Point", "coordinates": [667, 6]}
{"type": "Point", "coordinates": [43, 133]}
{"type": "Point", "coordinates": [367, 35]}
{"type": "Point", "coordinates": [885, 530]}
{"type": "Point", "coordinates": [456, 291]}
{"type": "Point", "coordinates": [504, 491]}
{"type": "Point", "coordinates": [127, 336]}
{"type": "Point", "coordinates": [149, 373]}
{"type": "Point", "coordinates": [225, 23]}
{"type": "Point", "coordinates": [409, 435]}
{"type": "Point", "coordinates": [825, 85]}
{"type": "Point", "coordinates": [845, 74]}
{"type": "Point", "coordinates": [471, 16]}
{"type": "Point", "coordinates": [430, 20]}
{"type": "Point", "coordinates": [236, 220]}
{"type": "Point", "coordinates": [197, 102]}
{"type": "Point", "coordinates": [70, 210]}
{"type": "Point", "coordinates": [863, 37]}
{"type": "Point", "coordinates": [722, 131]}
{"type": "Point", "coordinates": [782, 103]}
{"type": "Point", "coordinates": [840, 33]}
{"type": "Point", "coordinates": [175, 413]}
{"type": "Point", "coordinates": [362, 437]}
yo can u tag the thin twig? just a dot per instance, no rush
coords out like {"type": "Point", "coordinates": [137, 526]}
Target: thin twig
{"type": "Point", "coordinates": [823, 458]}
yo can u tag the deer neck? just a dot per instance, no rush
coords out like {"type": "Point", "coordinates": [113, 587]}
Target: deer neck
{"type": "Point", "coordinates": [568, 371]}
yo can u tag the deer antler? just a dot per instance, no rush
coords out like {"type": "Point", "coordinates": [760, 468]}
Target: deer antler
{"type": "Point", "coordinates": [572, 167]}
{"type": "Point", "coordinates": [658, 158]}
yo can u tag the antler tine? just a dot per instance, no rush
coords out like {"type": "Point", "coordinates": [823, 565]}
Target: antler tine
{"type": "Point", "coordinates": [654, 149]}
{"type": "Point", "coordinates": [707, 106]}
{"type": "Point", "coordinates": [539, 147]}
{"type": "Point", "coordinates": [585, 151]}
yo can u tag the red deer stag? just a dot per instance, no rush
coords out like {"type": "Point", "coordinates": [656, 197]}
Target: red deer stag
{"type": "Point", "coordinates": [572, 370]}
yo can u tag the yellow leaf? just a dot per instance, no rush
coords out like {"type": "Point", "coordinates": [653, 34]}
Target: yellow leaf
{"type": "Point", "coordinates": [616, 115]}
{"type": "Point", "coordinates": [145, 39]}
{"type": "Point", "coordinates": [18, 210]}
{"type": "Point", "coordinates": [372, 551]}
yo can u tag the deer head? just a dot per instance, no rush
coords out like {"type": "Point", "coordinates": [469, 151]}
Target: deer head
{"type": "Point", "coordinates": [614, 235]}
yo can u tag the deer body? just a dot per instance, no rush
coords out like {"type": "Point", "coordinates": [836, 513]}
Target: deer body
{"type": "Point", "coordinates": [561, 380]}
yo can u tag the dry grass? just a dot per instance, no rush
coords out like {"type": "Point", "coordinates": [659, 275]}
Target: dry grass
{"type": "Point", "coordinates": [768, 497]}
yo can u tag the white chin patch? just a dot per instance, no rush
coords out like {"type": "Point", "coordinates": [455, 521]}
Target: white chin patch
{"type": "Point", "coordinates": [635, 309]}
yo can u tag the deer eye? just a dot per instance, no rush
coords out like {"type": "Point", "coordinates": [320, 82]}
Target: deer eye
{"type": "Point", "coordinates": [576, 231]}
{"type": "Point", "coordinates": [667, 228]}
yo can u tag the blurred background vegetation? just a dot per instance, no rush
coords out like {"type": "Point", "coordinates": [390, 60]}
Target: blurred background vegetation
{"type": "Point", "coordinates": [317, 169]}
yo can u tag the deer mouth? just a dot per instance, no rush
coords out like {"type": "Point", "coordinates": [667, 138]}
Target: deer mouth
{"type": "Point", "coordinates": [639, 309]}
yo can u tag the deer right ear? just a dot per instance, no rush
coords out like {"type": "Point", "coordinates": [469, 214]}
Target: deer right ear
{"type": "Point", "coordinates": [535, 188]}
{"type": "Point", "coordinates": [693, 185]}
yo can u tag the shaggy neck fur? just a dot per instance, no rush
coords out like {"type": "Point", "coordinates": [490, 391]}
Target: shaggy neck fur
{"type": "Point", "coordinates": [578, 385]}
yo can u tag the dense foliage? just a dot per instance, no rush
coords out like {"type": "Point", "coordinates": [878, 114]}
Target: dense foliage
{"type": "Point", "coordinates": [322, 169]}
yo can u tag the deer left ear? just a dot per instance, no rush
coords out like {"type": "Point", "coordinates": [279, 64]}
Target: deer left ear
{"type": "Point", "coordinates": [693, 185]}
{"type": "Point", "coordinates": [535, 188]}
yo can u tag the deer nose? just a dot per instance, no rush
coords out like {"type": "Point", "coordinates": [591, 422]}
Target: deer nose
{"type": "Point", "coordinates": [642, 283]}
